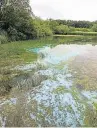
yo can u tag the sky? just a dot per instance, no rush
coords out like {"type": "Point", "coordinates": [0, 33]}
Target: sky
{"type": "Point", "coordinates": [65, 9]}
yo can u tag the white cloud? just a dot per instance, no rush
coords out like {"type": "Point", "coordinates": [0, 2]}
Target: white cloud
{"type": "Point", "coordinates": [65, 9]}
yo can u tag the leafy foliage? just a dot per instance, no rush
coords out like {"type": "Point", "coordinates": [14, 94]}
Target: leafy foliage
{"type": "Point", "coordinates": [76, 24]}
{"type": "Point", "coordinates": [19, 22]}
{"type": "Point", "coordinates": [94, 28]}
{"type": "Point", "coordinates": [61, 29]}
{"type": "Point", "coordinates": [41, 28]}
{"type": "Point", "coordinates": [3, 39]}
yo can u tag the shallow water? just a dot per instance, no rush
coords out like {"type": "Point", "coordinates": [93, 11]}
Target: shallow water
{"type": "Point", "coordinates": [66, 94]}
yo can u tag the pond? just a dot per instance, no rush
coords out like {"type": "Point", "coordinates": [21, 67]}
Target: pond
{"type": "Point", "coordinates": [65, 92]}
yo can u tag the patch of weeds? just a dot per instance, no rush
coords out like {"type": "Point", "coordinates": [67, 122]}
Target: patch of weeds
{"type": "Point", "coordinates": [69, 108]}
{"type": "Point", "coordinates": [75, 93]}
{"type": "Point", "coordinates": [59, 90]}
{"type": "Point", "coordinates": [91, 117]}
{"type": "Point", "coordinates": [95, 105]}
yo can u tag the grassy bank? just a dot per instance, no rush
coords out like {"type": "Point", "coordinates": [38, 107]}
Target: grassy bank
{"type": "Point", "coordinates": [79, 33]}
{"type": "Point", "coordinates": [84, 33]}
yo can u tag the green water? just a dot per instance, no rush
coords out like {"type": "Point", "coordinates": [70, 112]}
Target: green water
{"type": "Point", "coordinates": [59, 88]}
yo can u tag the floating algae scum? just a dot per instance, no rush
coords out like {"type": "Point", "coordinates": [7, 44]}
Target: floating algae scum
{"type": "Point", "coordinates": [66, 94]}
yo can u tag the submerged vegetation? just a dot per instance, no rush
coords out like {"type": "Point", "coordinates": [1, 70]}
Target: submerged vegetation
{"type": "Point", "coordinates": [19, 53]}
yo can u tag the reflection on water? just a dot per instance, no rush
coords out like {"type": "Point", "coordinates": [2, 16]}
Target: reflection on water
{"type": "Point", "coordinates": [63, 96]}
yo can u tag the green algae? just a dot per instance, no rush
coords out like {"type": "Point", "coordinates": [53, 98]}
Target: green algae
{"type": "Point", "coordinates": [60, 90]}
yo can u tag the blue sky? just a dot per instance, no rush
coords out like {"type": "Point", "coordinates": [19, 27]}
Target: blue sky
{"type": "Point", "coordinates": [65, 9]}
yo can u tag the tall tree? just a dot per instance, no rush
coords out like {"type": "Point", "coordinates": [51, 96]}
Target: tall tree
{"type": "Point", "coordinates": [15, 16]}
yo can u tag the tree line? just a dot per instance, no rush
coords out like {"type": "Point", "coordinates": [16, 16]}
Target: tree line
{"type": "Point", "coordinates": [18, 22]}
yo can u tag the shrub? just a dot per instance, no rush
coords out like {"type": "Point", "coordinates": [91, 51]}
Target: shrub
{"type": "Point", "coordinates": [14, 35]}
{"type": "Point", "coordinates": [83, 29]}
{"type": "Point", "coordinates": [94, 28]}
{"type": "Point", "coordinates": [3, 39]}
{"type": "Point", "coordinates": [61, 29]}
{"type": "Point", "coordinates": [48, 32]}
{"type": "Point", "coordinates": [40, 28]}
{"type": "Point", "coordinates": [21, 36]}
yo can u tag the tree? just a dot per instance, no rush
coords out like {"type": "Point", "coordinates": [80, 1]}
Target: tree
{"type": "Point", "coordinates": [53, 24]}
{"type": "Point", "coordinates": [41, 28]}
{"type": "Point", "coordinates": [76, 24]}
{"type": "Point", "coordinates": [16, 16]}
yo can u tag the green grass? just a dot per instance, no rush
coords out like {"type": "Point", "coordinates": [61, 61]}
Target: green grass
{"type": "Point", "coordinates": [79, 33]}
{"type": "Point", "coordinates": [84, 33]}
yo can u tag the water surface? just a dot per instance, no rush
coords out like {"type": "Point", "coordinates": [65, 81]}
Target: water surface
{"type": "Point", "coordinates": [66, 92]}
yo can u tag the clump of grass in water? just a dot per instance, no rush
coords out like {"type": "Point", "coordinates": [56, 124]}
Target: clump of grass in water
{"type": "Point", "coordinates": [85, 83]}
{"type": "Point", "coordinates": [6, 80]}
{"type": "Point", "coordinates": [59, 90]}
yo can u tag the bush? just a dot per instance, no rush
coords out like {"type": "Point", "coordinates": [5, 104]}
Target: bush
{"type": "Point", "coordinates": [48, 32]}
{"type": "Point", "coordinates": [61, 29]}
{"type": "Point", "coordinates": [94, 28]}
{"type": "Point", "coordinates": [40, 28]}
{"type": "Point", "coordinates": [14, 35]}
{"type": "Point", "coordinates": [71, 29]}
{"type": "Point", "coordinates": [21, 36]}
{"type": "Point", "coordinates": [3, 39]}
{"type": "Point", "coordinates": [83, 29]}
